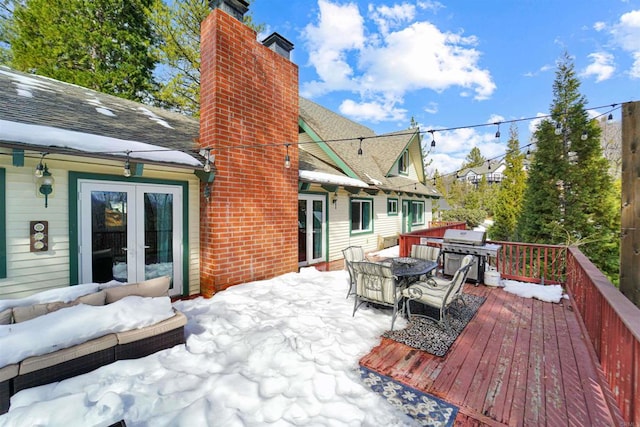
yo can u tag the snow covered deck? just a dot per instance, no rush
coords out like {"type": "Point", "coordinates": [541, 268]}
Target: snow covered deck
{"type": "Point", "coordinates": [520, 361]}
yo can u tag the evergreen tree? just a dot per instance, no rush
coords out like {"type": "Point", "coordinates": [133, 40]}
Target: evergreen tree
{"type": "Point", "coordinates": [570, 198]}
{"type": "Point", "coordinates": [105, 45]}
{"type": "Point", "coordinates": [511, 192]}
{"type": "Point", "coordinates": [474, 158]}
{"type": "Point", "coordinates": [178, 25]}
{"type": "Point", "coordinates": [6, 12]}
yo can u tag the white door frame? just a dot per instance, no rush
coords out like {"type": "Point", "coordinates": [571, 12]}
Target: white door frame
{"type": "Point", "coordinates": [135, 248]}
{"type": "Point", "coordinates": [310, 198]}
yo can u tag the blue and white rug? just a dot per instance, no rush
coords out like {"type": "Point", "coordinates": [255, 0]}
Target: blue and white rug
{"type": "Point", "coordinates": [427, 410]}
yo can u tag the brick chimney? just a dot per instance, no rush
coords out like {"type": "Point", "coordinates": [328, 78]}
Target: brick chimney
{"type": "Point", "coordinates": [235, 8]}
{"type": "Point", "coordinates": [249, 111]}
{"type": "Point", "coordinates": [279, 45]}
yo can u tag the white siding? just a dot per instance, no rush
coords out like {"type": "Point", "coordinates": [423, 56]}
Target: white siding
{"type": "Point", "coordinates": [29, 272]}
{"type": "Point", "coordinates": [384, 225]}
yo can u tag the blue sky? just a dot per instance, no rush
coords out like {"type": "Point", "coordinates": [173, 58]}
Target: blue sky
{"type": "Point", "coordinates": [456, 63]}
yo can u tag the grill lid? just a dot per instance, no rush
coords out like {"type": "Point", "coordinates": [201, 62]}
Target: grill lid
{"type": "Point", "coordinates": [465, 237]}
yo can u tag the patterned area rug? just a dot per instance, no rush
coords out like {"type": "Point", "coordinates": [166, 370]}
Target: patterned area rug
{"type": "Point", "coordinates": [427, 410]}
{"type": "Point", "coordinates": [425, 334]}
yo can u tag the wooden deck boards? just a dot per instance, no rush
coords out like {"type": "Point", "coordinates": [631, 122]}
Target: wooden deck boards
{"type": "Point", "coordinates": [518, 362]}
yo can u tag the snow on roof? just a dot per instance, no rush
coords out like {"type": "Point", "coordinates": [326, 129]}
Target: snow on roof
{"type": "Point", "coordinates": [46, 136]}
{"type": "Point", "coordinates": [327, 178]}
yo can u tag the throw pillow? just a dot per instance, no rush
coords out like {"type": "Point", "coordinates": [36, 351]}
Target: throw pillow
{"type": "Point", "coordinates": [6, 316]}
{"type": "Point", "coordinates": [21, 314]}
{"type": "Point", "coordinates": [158, 287]}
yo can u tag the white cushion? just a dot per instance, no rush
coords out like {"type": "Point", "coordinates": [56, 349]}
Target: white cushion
{"type": "Point", "coordinates": [157, 287]}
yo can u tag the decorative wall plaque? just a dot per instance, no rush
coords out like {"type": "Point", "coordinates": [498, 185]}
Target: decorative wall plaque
{"type": "Point", "coordinates": [39, 231]}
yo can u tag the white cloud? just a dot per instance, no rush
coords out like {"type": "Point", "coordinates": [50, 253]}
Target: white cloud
{"type": "Point", "coordinates": [430, 5]}
{"type": "Point", "coordinates": [452, 147]}
{"type": "Point", "coordinates": [495, 118]}
{"type": "Point", "coordinates": [542, 69]}
{"type": "Point", "coordinates": [431, 108]}
{"type": "Point", "coordinates": [347, 57]}
{"type": "Point", "coordinates": [599, 26]}
{"type": "Point", "coordinates": [626, 34]}
{"type": "Point", "coordinates": [391, 17]}
{"type": "Point", "coordinates": [533, 124]}
{"type": "Point", "coordinates": [375, 111]}
{"type": "Point", "coordinates": [339, 30]}
{"type": "Point", "coordinates": [601, 66]}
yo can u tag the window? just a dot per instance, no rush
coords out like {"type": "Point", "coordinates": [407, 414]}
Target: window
{"type": "Point", "coordinates": [417, 213]}
{"type": "Point", "coordinates": [403, 163]}
{"type": "Point", "coordinates": [361, 215]}
{"type": "Point", "coordinates": [3, 236]}
{"type": "Point", "coordinates": [392, 206]}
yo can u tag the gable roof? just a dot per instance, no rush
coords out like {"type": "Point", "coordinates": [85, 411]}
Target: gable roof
{"type": "Point", "coordinates": [340, 139]}
{"type": "Point", "coordinates": [41, 113]}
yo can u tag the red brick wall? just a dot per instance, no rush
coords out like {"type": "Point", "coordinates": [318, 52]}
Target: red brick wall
{"type": "Point", "coordinates": [249, 110]}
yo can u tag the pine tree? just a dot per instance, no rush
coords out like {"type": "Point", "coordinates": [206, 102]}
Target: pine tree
{"type": "Point", "coordinates": [474, 158]}
{"type": "Point", "coordinates": [570, 198]}
{"type": "Point", "coordinates": [178, 25]}
{"type": "Point", "coordinates": [511, 192]}
{"type": "Point", "coordinates": [105, 45]}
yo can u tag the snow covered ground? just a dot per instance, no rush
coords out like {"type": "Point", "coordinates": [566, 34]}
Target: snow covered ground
{"type": "Point", "coordinates": [277, 352]}
{"type": "Point", "coordinates": [280, 352]}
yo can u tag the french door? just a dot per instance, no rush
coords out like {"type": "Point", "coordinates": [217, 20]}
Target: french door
{"type": "Point", "coordinates": [311, 228]}
{"type": "Point", "coordinates": [406, 216]}
{"type": "Point", "coordinates": [130, 232]}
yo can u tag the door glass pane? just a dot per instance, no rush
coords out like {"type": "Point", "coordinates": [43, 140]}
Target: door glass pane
{"type": "Point", "coordinates": [317, 229]}
{"type": "Point", "coordinates": [302, 230]}
{"type": "Point", "coordinates": [109, 236]}
{"type": "Point", "coordinates": [158, 235]}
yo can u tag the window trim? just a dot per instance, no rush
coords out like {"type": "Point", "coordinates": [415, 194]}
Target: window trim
{"type": "Point", "coordinates": [3, 224]}
{"type": "Point", "coordinates": [361, 200]}
{"type": "Point", "coordinates": [403, 161]}
{"type": "Point", "coordinates": [414, 220]}
{"type": "Point", "coordinates": [390, 212]}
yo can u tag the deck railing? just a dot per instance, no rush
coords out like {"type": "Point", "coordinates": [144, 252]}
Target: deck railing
{"type": "Point", "coordinates": [529, 262]}
{"type": "Point", "coordinates": [612, 323]}
{"type": "Point", "coordinates": [436, 230]}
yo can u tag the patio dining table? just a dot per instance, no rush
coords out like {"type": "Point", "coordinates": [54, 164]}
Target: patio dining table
{"type": "Point", "coordinates": [408, 269]}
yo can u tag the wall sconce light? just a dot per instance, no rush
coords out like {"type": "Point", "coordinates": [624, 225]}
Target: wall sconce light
{"type": "Point", "coordinates": [44, 184]}
{"type": "Point", "coordinates": [334, 200]}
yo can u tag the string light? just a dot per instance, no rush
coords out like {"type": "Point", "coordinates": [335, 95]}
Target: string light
{"type": "Point", "coordinates": [127, 167]}
{"type": "Point", "coordinates": [287, 159]}
{"type": "Point", "coordinates": [40, 166]}
{"type": "Point", "coordinates": [207, 162]}
{"type": "Point", "coordinates": [584, 135]}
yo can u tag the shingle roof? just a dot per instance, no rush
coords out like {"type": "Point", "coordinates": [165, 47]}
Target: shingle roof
{"type": "Point", "coordinates": [37, 100]}
{"type": "Point", "coordinates": [380, 152]}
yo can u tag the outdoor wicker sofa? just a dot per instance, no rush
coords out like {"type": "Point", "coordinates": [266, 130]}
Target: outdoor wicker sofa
{"type": "Point", "coordinates": [92, 354]}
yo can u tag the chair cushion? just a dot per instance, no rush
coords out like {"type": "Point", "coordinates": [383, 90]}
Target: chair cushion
{"type": "Point", "coordinates": [426, 294]}
{"type": "Point", "coordinates": [35, 363]}
{"type": "Point", "coordinates": [158, 287]}
{"type": "Point", "coordinates": [6, 316]}
{"type": "Point", "coordinates": [22, 314]}
{"type": "Point", "coordinates": [152, 330]}
{"type": "Point", "coordinates": [8, 372]}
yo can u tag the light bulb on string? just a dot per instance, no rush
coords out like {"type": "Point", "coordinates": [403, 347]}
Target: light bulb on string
{"type": "Point", "coordinates": [584, 135]}
{"type": "Point", "coordinates": [558, 130]}
{"type": "Point", "coordinates": [433, 139]}
{"type": "Point", "coordinates": [127, 167]}
{"type": "Point", "coordinates": [498, 131]}
{"type": "Point", "coordinates": [207, 162]}
{"type": "Point", "coordinates": [360, 147]}
{"type": "Point", "coordinates": [287, 159]}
